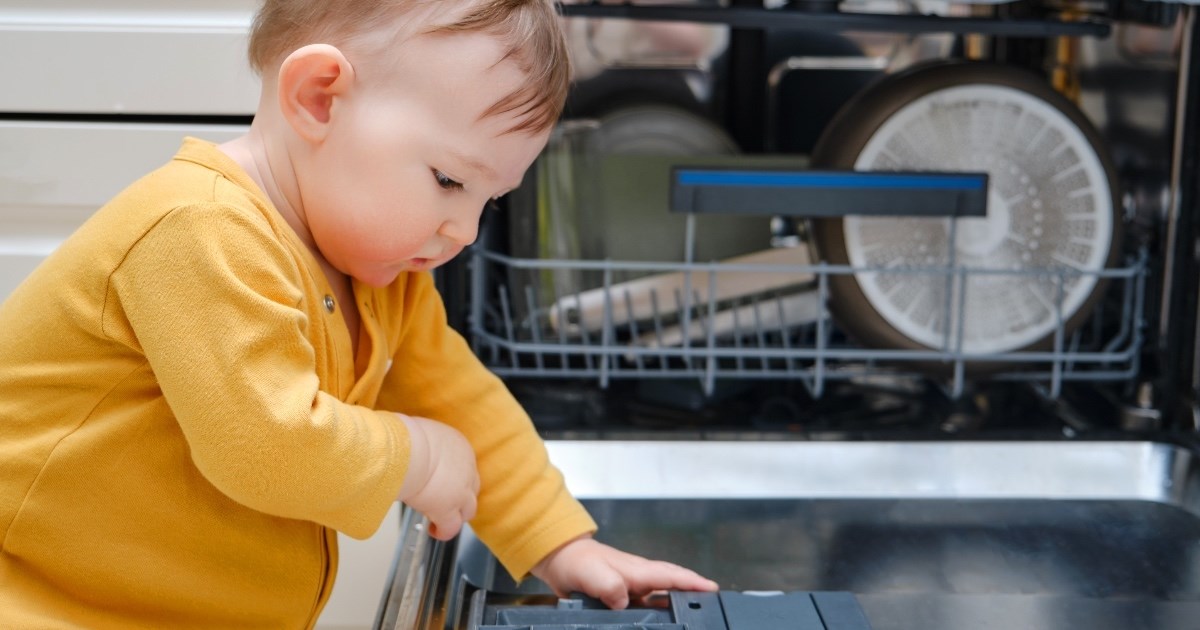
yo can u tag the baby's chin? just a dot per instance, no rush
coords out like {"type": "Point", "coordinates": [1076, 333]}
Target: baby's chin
{"type": "Point", "coordinates": [383, 277]}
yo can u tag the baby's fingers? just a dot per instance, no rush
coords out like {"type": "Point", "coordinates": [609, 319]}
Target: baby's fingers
{"type": "Point", "coordinates": [608, 586]}
{"type": "Point", "coordinates": [654, 575]}
{"type": "Point", "coordinates": [445, 527]}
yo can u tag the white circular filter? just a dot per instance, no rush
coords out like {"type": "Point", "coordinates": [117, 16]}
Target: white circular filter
{"type": "Point", "coordinates": [1049, 209]}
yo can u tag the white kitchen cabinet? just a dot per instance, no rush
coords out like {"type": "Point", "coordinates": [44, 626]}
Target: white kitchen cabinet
{"type": "Point", "coordinates": [126, 57]}
{"type": "Point", "coordinates": [54, 175]}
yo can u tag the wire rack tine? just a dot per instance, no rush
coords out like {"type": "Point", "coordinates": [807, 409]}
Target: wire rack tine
{"type": "Point", "coordinates": [658, 330]}
{"type": "Point", "coordinates": [534, 330]}
{"type": "Point", "coordinates": [823, 295]}
{"type": "Point", "coordinates": [508, 323]}
{"type": "Point", "coordinates": [708, 329]}
{"type": "Point", "coordinates": [562, 327]}
{"type": "Point", "coordinates": [633, 332]}
{"type": "Point", "coordinates": [960, 278]}
{"type": "Point", "coordinates": [759, 333]}
{"type": "Point", "coordinates": [583, 329]}
{"type": "Point", "coordinates": [784, 336]}
{"type": "Point", "coordinates": [1129, 285]}
{"type": "Point", "coordinates": [739, 360]}
{"type": "Point", "coordinates": [1056, 369]}
{"type": "Point", "coordinates": [951, 277]}
{"type": "Point", "coordinates": [606, 329]}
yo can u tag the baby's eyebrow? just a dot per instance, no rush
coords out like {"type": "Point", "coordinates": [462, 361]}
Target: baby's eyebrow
{"type": "Point", "coordinates": [473, 163]}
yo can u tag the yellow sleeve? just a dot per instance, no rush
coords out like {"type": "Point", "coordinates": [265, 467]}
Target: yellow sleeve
{"type": "Point", "coordinates": [525, 510]}
{"type": "Point", "coordinates": [211, 299]}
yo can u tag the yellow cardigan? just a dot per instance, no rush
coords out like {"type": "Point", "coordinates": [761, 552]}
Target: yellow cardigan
{"type": "Point", "coordinates": [183, 427]}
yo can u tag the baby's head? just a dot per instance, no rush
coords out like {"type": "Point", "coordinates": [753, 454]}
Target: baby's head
{"type": "Point", "coordinates": [402, 118]}
{"type": "Point", "coordinates": [372, 33]}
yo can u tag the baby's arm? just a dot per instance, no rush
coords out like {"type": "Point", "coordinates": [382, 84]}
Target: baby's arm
{"type": "Point", "coordinates": [612, 576]}
{"type": "Point", "coordinates": [442, 482]}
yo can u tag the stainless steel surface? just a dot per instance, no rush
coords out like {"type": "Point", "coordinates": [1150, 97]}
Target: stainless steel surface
{"type": "Point", "coordinates": [1181, 110]}
{"type": "Point", "coordinates": [931, 564]}
{"type": "Point", "coordinates": [404, 601]}
{"type": "Point", "coordinates": [929, 536]}
{"type": "Point", "coordinates": [1141, 471]}
{"type": "Point", "coordinates": [1188, 44]}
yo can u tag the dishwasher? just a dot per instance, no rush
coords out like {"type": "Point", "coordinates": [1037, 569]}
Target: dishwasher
{"type": "Point", "coordinates": [881, 314]}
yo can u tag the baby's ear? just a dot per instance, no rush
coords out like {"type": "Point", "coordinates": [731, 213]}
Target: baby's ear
{"type": "Point", "coordinates": [309, 80]}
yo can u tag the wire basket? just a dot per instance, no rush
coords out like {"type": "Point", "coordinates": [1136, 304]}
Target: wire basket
{"type": "Point", "coordinates": [765, 316]}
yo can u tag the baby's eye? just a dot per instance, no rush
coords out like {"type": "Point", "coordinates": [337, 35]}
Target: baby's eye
{"type": "Point", "coordinates": [445, 182]}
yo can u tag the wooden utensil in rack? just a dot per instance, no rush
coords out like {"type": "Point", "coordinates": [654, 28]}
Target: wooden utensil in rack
{"type": "Point", "coordinates": [638, 299]}
{"type": "Point", "coordinates": [768, 316]}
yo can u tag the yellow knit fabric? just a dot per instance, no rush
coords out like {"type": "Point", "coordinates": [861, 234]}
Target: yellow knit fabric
{"type": "Point", "coordinates": [183, 427]}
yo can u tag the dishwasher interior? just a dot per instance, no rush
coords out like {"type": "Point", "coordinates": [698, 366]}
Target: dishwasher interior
{"type": "Point", "coordinates": [886, 301]}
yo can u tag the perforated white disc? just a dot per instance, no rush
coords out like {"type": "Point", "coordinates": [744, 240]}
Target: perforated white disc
{"type": "Point", "coordinates": [1049, 208]}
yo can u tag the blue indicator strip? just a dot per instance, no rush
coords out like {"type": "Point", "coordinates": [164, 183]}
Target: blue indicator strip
{"type": "Point", "coordinates": [818, 179]}
{"type": "Point", "coordinates": [816, 194]}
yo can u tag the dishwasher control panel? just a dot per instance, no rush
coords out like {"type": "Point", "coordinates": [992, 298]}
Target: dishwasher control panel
{"type": "Point", "coordinates": [727, 610]}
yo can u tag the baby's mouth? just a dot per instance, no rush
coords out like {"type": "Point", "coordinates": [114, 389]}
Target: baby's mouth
{"type": "Point", "coordinates": [423, 263]}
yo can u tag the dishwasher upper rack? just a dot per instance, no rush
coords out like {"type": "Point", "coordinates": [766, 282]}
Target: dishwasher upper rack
{"type": "Point", "coordinates": [518, 333]}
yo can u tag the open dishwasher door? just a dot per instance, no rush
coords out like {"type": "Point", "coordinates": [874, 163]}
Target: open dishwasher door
{"type": "Point", "coordinates": [924, 535]}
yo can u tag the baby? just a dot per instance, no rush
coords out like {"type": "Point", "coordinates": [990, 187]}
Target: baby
{"type": "Point", "coordinates": [244, 353]}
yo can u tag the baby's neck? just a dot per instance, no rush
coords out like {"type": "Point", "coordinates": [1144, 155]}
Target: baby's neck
{"type": "Point", "coordinates": [271, 171]}
{"type": "Point", "coordinates": [252, 153]}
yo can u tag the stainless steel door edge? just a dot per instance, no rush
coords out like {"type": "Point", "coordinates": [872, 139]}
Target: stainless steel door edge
{"type": "Point", "coordinates": [928, 470]}
{"type": "Point", "coordinates": [412, 574]}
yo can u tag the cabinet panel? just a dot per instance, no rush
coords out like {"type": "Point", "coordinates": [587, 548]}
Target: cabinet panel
{"type": "Point", "coordinates": [127, 57]}
{"type": "Point", "coordinates": [53, 176]}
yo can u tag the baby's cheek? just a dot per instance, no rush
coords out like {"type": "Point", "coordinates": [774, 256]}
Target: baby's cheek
{"type": "Point", "coordinates": [402, 239]}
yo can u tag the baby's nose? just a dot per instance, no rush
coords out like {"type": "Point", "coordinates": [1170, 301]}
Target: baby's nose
{"type": "Point", "coordinates": [461, 231]}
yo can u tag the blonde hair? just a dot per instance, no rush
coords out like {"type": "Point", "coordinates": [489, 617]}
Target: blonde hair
{"type": "Point", "coordinates": [529, 29]}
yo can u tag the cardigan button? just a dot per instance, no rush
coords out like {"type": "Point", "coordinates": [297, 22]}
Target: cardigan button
{"type": "Point", "coordinates": [329, 303]}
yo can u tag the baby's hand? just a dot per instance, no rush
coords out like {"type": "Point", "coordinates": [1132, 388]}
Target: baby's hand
{"type": "Point", "coordinates": [442, 481]}
{"type": "Point", "coordinates": [613, 576]}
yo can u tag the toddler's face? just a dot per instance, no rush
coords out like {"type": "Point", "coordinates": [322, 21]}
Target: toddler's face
{"type": "Point", "coordinates": [410, 162]}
